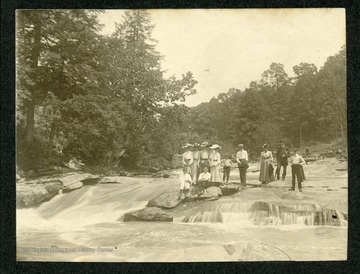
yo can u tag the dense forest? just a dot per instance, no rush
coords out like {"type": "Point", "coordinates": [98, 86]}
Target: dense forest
{"type": "Point", "coordinates": [106, 101]}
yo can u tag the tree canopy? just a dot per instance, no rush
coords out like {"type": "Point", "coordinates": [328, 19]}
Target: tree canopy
{"type": "Point", "coordinates": [106, 100]}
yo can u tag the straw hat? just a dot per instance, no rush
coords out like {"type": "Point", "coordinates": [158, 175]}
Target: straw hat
{"type": "Point", "coordinates": [215, 146]}
{"type": "Point", "coordinates": [265, 146]}
{"type": "Point", "coordinates": [241, 145]}
{"type": "Point", "coordinates": [187, 145]}
{"type": "Point", "coordinates": [205, 144]}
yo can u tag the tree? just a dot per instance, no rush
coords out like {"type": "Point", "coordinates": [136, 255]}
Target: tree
{"type": "Point", "coordinates": [55, 61]}
{"type": "Point", "coordinates": [304, 104]}
{"type": "Point", "coordinates": [275, 77]}
{"type": "Point", "coordinates": [332, 77]}
{"type": "Point", "coordinates": [134, 76]}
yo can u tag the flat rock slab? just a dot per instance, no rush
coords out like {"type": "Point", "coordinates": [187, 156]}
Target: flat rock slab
{"type": "Point", "coordinates": [166, 200]}
{"type": "Point", "coordinates": [74, 178]}
{"type": "Point", "coordinates": [149, 214]}
{"type": "Point", "coordinates": [294, 195]}
{"type": "Point", "coordinates": [123, 180]}
{"type": "Point", "coordinates": [160, 174]}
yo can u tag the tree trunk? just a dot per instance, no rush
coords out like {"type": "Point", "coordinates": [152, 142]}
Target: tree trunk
{"type": "Point", "coordinates": [30, 118]}
{"type": "Point", "coordinates": [341, 129]}
{"type": "Point", "coordinates": [51, 137]}
{"type": "Point", "coordinates": [30, 121]}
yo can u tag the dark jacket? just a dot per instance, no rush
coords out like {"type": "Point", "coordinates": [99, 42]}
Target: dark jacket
{"type": "Point", "coordinates": [282, 151]}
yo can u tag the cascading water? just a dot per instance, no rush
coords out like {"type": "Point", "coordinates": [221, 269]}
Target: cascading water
{"type": "Point", "coordinates": [228, 229]}
{"type": "Point", "coordinates": [268, 213]}
{"type": "Point", "coordinates": [89, 205]}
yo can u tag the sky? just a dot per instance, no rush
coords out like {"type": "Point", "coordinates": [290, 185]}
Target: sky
{"type": "Point", "coordinates": [229, 48]}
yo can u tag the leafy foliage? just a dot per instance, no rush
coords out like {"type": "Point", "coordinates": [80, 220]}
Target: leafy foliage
{"type": "Point", "coordinates": [106, 101]}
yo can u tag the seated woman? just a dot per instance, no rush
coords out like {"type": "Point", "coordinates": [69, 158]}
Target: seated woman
{"type": "Point", "coordinates": [204, 179]}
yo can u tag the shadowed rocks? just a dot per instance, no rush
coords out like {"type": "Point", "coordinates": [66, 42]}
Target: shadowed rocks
{"type": "Point", "coordinates": [227, 190]}
{"type": "Point", "coordinates": [149, 214]}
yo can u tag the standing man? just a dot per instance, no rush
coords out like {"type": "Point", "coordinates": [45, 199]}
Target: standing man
{"type": "Point", "coordinates": [282, 155]}
{"type": "Point", "coordinates": [242, 159]}
{"type": "Point", "coordinates": [296, 162]}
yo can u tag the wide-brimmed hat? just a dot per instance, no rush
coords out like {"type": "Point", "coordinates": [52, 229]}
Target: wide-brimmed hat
{"type": "Point", "coordinates": [265, 145]}
{"type": "Point", "coordinates": [241, 145]}
{"type": "Point", "coordinates": [196, 145]}
{"type": "Point", "coordinates": [204, 144]}
{"type": "Point", "coordinates": [187, 145]}
{"type": "Point", "coordinates": [215, 146]}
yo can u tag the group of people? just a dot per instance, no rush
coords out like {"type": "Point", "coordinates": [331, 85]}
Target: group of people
{"type": "Point", "coordinates": [202, 166]}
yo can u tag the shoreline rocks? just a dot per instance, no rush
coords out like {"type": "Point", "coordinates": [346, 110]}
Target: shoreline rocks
{"type": "Point", "coordinates": [29, 195]}
{"type": "Point", "coordinates": [32, 193]}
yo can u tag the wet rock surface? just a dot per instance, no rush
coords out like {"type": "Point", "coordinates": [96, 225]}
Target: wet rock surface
{"type": "Point", "coordinates": [150, 214]}
{"type": "Point", "coordinates": [229, 189]}
{"type": "Point", "coordinates": [166, 200]}
{"type": "Point", "coordinates": [211, 193]}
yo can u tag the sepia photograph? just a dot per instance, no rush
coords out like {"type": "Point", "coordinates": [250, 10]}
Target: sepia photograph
{"type": "Point", "coordinates": [181, 135]}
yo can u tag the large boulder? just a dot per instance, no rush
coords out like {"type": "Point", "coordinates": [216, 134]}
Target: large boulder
{"type": "Point", "coordinates": [166, 200]}
{"type": "Point", "coordinates": [211, 193]}
{"type": "Point", "coordinates": [73, 187]}
{"type": "Point", "coordinates": [149, 214]}
{"type": "Point", "coordinates": [29, 195]}
{"type": "Point", "coordinates": [229, 189]}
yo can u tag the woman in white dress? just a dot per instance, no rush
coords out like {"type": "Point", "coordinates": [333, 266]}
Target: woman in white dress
{"type": "Point", "coordinates": [265, 165]}
{"type": "Point", "coordinates": [185, 176]}
{"type": "Point", "coordinates": [215, 167]}
{"type": "Point", "coordinates": [195, 164]}
{"type": "Point", "coordinates": [187, 158]}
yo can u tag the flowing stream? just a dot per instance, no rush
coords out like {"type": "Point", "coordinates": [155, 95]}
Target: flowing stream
{"type": "Point", "coordinates": [84, 225]}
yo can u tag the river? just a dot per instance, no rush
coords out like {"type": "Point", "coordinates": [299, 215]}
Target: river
{"type": "Point", "coordinates": [253, 225]}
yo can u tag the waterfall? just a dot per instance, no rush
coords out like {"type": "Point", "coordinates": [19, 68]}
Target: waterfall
{"type": "Point", "coordinates": [269, 213]}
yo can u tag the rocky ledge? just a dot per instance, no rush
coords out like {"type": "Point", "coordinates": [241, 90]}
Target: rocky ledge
{"type": "Point", "coordinates": [33, 192]}
{"type": "Point", "coordinates": [149, 214]}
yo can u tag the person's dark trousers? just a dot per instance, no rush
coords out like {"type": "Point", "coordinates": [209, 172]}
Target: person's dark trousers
{"type": "Point", "coordinates": [242, 171]}
{"type": "Point", "coordinates": [279, 165]}
{"type": "Point", "coordinates": [226, 174]}
{"type": "Point", "coordinates": [295, 171]}
{"type": "Point", "coordinates": [202, 164]}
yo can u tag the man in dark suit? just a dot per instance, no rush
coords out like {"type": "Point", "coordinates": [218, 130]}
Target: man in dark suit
{"type": "Point", "coordinates": [282, 155]}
